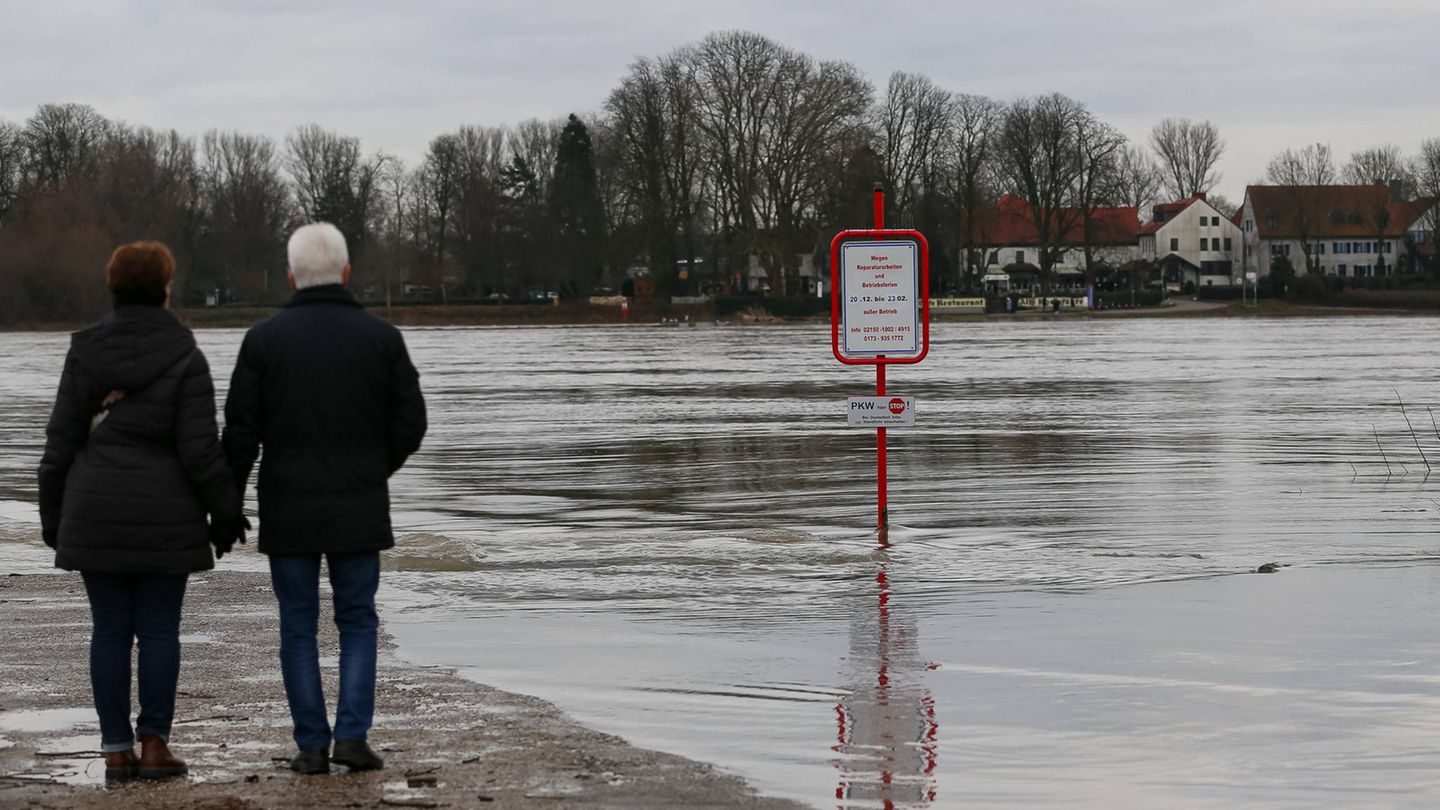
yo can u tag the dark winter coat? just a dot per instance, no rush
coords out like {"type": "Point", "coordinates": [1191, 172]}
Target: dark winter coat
{"type": "Point", "coordinates": [131, 496]}
{"type": "Point", "coordinates": [329, 392]}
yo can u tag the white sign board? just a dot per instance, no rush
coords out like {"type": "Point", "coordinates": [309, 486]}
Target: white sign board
{"type": "Point", "coordinates": [882, 411]}
{"type": "Point", "coordinates": [879, 295]}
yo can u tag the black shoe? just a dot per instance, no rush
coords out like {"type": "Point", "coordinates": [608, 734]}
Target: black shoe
{"type": "Point", "coordinates": [314, 761]}
{"type": "Point", "coordinates": [356, 755]}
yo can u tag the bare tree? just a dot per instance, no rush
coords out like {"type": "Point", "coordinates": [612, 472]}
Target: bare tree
{"type": "Point", "coordinates": [1296, 170]}
{"type": "Point", "coordinates": [437, 185]}
{"type": "Point", "coordinates": [333, 182]}
{"type": "Point", "coordinates": [1188, 152]}
{"type": "Point", "coordinates": [1222, 204]}
{"type": "Point", "coordinates": [485, 151]}
{"type": "Point", "coordinates": [972, 178]}
{"type": "Point", "coordinates": [535, 141]}
{"type": "Point", "coordinates": [737, 77]}
{"type": "Point", "coordinates": [1137, 183]}
{"type": "Point", "coordinates": [912, 121]}
{"type": "Point", "coordinates": [772, 119]}
{"type": "Point", "coordinates": [1380, 166]}
{"type": "Point", "coordinates": [828, 102]}
{"type": "Point", "coordinates": [654, 120]}
{"type": "Point", "coordinates": [12, 162]}
{"type": "Point", "coordinates": [62, 140]}
{"type": "Point", "coordinates": [150, 182]}
{"type": "Point", "coordinates": [488, 160]}
{"type": "Point", "coordinates": [1425, 167]}
{"type": "Point", "coordinates": [247, 213]}
{"type": "Point", "coordinates": [685, 182]}
{"type": "Point", "coordinates": [1312, 165]}
{"type": "Point", "coordinates": [638, 120]}
{"type": "Point", "coordinates": [1426, 170]}
{"type": "Point", "coordinates": [1039, 156]}
{"type": "Point", "coordinates": [455, 205]}
{"type": "Point", "coordinates": [394, 250]}
{"type": "Point", "coordinates": [1137, 180]}
{"type": "Point", "coordinates": [617, 199]}
{"type": "Point", "coordinates": [1097, 146]}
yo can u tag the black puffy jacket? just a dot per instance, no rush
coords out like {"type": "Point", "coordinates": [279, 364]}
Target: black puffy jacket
{"type": "Point", "coordinates": [131, 495]}
{"type": "Point", "coordinates": [329, 392]}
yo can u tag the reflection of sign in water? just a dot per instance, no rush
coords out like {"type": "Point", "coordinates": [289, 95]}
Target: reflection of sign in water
{"type": "Point", "coordinates": [879, 304]}
{"type": "Point", "coordinates": [886, 749]}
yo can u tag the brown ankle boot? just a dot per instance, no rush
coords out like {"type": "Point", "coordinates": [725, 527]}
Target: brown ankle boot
{"type": "Point", "coordinates": [120, 765]}
{"type": "Point", "coordinates": [156, 761]}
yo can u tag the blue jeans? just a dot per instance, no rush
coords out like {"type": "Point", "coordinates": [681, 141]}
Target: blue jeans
{"type": "Point", "coordinates": [124, 608]}
{"type": "Point", "coordinates": [354, 579]}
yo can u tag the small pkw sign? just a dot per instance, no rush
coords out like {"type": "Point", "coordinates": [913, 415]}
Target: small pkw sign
{"type": "Point", "coordinates": [886, 411]}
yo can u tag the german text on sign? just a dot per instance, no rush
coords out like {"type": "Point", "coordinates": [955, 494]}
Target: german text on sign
{"type": "Point", "coordinates": [885, 411]}
{"type": "Point", "coordinates": [880, 283]}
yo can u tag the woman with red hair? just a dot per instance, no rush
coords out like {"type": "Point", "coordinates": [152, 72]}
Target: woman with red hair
{"type": "Point", "coordinates": [132, 467]}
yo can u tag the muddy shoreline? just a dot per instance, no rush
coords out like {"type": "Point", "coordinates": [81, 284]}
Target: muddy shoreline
{"type": "Point", "coordinates": [448, 742]}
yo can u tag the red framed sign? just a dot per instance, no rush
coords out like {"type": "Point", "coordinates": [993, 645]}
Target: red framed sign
{"type": "Point", "coordinates": [879, 297]}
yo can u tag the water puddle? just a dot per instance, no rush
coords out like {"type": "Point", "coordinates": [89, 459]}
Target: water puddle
{"type": "Point", "coordinates": [45, 720]}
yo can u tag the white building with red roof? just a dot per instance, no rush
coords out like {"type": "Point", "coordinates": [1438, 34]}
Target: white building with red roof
{"type": "Point", "coordinates": [1345, 231]}
{"type": "Point", "coordinates": [1193, 244]}
{"type": "Point", "coordinates": [1012, 242]}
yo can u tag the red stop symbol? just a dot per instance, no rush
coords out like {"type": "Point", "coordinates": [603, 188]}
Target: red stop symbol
{"type": "Point", "coordinates": [897, 406]}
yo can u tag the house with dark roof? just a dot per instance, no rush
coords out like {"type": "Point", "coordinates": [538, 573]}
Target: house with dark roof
{"type": "Point", "coordinates": [1009, 233]}
{"type": "Point", "coordinates": [1346, 231]}
{"type": "Point", "coordinates": [1192, 244]}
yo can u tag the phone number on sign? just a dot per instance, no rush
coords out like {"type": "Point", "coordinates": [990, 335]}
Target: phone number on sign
{"type": "Point", "coordinates": [881, 334]}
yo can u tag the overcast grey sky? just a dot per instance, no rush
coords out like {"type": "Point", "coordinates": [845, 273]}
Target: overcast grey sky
{"type": "Point", "coordinates": [1270, 73]}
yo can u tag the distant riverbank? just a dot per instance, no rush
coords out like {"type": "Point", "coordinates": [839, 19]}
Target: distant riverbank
{"type": "Point", "coordinates": [581, 314]}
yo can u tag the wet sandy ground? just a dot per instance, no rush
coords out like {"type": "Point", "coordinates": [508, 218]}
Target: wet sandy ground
{"type": "Point", "coordinates": [447, 742]}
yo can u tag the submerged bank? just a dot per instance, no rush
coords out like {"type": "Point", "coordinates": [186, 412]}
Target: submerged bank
{"type": "Point", "coordinates": [667, 532]}
{"type": "Point", "coordinates": [427, 315]}
{"type": "Point", "coordinates": [448, 742]}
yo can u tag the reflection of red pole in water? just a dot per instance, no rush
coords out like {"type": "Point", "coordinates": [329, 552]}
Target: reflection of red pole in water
{"type": "Point", "coordinates": [888, 736]}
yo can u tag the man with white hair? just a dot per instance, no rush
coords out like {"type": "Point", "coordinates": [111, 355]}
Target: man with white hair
{"type": "Point", "coordinates": [329, 392]}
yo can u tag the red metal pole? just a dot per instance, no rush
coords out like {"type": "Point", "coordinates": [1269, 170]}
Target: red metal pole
{"type": "Point", "coordinates": [880, 457]}
{"type": "Point", "coordinates": [880, 471]}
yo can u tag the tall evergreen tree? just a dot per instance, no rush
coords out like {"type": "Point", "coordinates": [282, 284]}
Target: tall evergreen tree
{"type": "Point", "coordinates": [522, 214]}
{"type": "Point", "coordinates": [576, 211]}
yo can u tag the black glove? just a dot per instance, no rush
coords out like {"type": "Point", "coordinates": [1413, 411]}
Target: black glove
{"type": "Point", "coordinates": [224, 534]}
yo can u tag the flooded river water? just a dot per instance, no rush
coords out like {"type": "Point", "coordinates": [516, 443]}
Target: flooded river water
{"type": "Point", "coordinates": [669, 531]}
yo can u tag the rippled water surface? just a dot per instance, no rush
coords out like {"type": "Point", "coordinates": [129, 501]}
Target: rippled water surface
{"type": "Point", "coordinates": [670, 533]}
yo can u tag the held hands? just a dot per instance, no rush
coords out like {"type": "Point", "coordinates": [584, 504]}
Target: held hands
{"type": "Point", "coordinates": [224, 534]}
